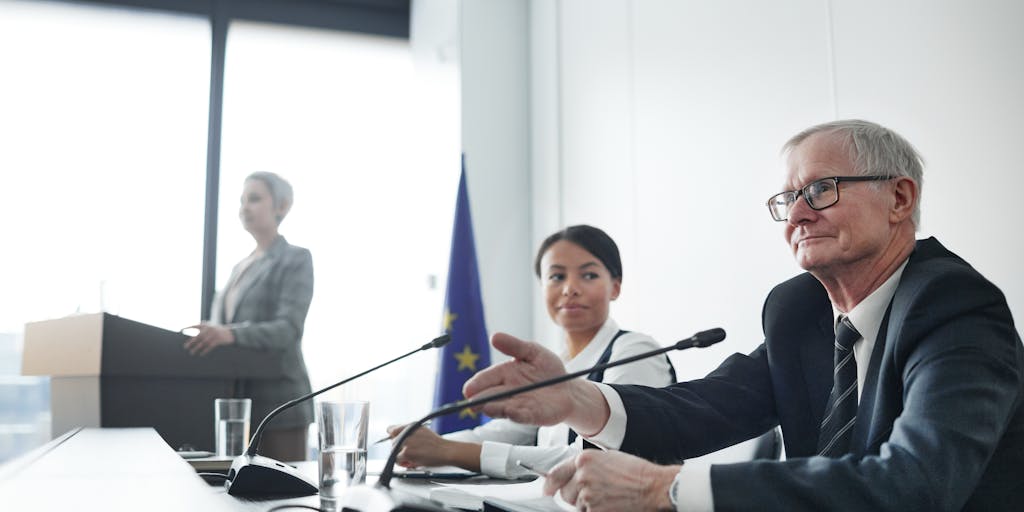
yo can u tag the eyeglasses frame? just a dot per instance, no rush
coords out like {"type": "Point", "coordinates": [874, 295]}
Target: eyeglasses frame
{"type": "Point", "coordinates": [835, 179]}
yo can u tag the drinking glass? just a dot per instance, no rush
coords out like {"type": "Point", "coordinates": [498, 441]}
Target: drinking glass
{"type": "Point", "coordinates": [231, 425]}
{"type": "Point", "coordinates": [342, 428]}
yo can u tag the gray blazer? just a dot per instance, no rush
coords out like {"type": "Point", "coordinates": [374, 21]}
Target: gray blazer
{"type": "Point", "coordinates": [273, 299]}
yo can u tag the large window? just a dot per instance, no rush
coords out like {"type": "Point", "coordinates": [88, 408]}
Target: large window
{"type": "Point", "coordinates": [104, 118]}
{"type": "Point", "coordinates": [103, 151]}
{"type": "Point", "coordinates": [371, 148]}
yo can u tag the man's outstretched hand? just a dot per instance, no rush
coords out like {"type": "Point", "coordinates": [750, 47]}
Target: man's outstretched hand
{"type": "Point", "coordinates": [577, 402]}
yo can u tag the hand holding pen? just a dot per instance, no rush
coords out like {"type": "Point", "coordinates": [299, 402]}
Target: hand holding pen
{"type": "Point", "coordinates": [425, 448]}
{"type": "Point", "coordinates": [394, 430]}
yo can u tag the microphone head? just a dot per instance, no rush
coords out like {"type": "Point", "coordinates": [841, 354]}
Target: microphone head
{"type": "Point", "coordinates": [702, 339]}
{"type": "Point", "coordinates": [708, 337]}
{"type": "Point", "coordinates": [440, 341]}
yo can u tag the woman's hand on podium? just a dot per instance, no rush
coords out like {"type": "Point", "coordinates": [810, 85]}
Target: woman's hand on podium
{"type": "Point", "coordinates": [208, 338]}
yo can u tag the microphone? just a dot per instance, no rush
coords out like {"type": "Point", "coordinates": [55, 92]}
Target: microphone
{"type": "Point", "coordinates": [253, 475]}
{"type": "Point", "coordinates": [381, 497]}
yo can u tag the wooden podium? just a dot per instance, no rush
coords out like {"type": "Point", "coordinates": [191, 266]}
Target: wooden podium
{"type": "Point", "coordinates": [108, 371]}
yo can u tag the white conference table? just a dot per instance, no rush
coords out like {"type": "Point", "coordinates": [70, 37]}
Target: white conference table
{"type": "Point", "coordinates": [130, 469]}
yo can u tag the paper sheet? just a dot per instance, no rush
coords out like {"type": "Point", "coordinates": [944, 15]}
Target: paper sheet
{"type": "Point", "coordinates": [471, 496]}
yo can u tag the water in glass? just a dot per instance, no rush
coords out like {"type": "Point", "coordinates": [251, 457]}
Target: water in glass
{"type": "Point", "coordinates": [340, 468]}
{"type": "Point", "coordinates": [231, 437]}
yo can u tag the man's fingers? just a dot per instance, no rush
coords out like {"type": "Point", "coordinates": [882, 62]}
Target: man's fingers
{"type": "Point", "coordinates": [558, 477]}
{"type": "Point", "coordinates": [495, 409]}
{"type": "Point", "coordinates": [512, 346]}
{"type": "Point", "coordinates": [488, 378]}
{"type": "Point", "coordinates": [495, 376]}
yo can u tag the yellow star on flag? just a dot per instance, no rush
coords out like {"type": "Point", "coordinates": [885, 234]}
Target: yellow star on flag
{"type": "Point", "coordinates": [449, 319]}
{"type": "Point", "coordinates": [467, 412]}
{"type": "Point", "coordinates": [467, 359]}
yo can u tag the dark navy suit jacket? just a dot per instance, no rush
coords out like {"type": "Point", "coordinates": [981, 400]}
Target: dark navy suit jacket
{"type": "Point", "coordinates": [940, 425]}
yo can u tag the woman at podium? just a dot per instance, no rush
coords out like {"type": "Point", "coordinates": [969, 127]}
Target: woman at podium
{"type": "Point", "coordinates": [580, 274]}
{"type": "Point", "coordinates": [264, 307]}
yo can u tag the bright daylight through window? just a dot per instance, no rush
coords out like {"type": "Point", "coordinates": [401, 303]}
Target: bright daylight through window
{"type": "Point", "coordinates": [103, 145]}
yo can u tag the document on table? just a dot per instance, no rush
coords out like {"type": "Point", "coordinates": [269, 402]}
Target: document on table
{"type": "Point", "coordinates": [438, 473]}
{"type": "Point", "coordinates": [518, 497]}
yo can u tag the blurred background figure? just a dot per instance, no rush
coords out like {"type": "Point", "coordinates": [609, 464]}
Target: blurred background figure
{"type": "Point", "coordinates": [580, 272]}
{"type": "Point", "coordinates": [263, 307]}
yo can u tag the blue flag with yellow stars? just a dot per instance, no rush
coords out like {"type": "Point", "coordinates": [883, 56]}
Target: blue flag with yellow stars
{"type": "Point", "coordinates": [469, 350]}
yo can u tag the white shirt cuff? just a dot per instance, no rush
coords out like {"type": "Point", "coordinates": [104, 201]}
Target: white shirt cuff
{"type": "Point", "coordinates": [493, 458]}
{"type": "Point", "coordinates": [694, 491]}
{"type": "Point", "coordinates": [610, 437]}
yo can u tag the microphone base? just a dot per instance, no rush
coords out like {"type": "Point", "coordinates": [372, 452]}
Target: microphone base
{"type": "Point", "coordinates": [256, 476]}
{"type": "Point", "coordinates": [364, 498]}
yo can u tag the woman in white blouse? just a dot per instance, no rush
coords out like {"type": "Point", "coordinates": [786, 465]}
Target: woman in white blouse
{"type": "Point", "coordinates": [580, 273]}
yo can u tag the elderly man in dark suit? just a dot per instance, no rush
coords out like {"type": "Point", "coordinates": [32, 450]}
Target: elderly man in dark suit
{"type": "Point", "coordinates": [893, 368]}
{"type": "Point", "coordinates": [263, 307]}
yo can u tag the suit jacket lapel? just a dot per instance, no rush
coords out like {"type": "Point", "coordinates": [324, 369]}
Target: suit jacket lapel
{"type": "Point", "coordinates": [256, 272]}
{"type": "Point", "coordinates": [868, 419]}
{"type": "Point", "coordinates": [818, 376]}
{"type": "Point", "coordinates": [879, 407]}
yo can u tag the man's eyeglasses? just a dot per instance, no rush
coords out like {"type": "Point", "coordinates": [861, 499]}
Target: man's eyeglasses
{"type": "Point", "coordinates": [819, 195]}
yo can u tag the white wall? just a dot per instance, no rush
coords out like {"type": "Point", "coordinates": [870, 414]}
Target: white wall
{"type": "Point", "coordinates": [719, 87]}
{"type": "Point", "coordinates": [661, 121]}
{"type": "Point", "coordinates": [545, 145]}
{"type": "Point", "coordinates": [663, 126]}
{"type": "Point", "coordinates": [495, 115]}
{"type": "Point", "coordinates": [949, 76]}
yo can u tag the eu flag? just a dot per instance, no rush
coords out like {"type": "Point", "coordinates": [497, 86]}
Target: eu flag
{"type": "Point", "coordinates": [468, 351]}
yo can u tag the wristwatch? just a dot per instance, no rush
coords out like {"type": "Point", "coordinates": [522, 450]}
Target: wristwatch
{"type": "Point", "coordinates": [673, 490]}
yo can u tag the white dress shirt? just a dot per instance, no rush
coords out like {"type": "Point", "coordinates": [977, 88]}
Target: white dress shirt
{"type": "Point", "coordinates": [694, 489]}
{"type": "Point", "coordinates": [505, 441]}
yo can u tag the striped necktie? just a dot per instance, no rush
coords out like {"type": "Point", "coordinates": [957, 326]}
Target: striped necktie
{"type": "Point", "coordinates": [837, 427]}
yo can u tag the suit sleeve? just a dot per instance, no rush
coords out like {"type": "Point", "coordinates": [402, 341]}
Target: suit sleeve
{"type": "Point", "coordinates": [498, 456]}
{"type": "Point", "coordinates": [732, 404]}
{"type": "Point", "coordinates": [292, 295]}
{"type": "Point", "coordinates": [959, 359]}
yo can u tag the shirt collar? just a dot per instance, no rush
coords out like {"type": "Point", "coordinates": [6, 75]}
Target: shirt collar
{"type": "Point", "coordinates": [867, 316]}
{"type": "Point", "coordinates": [592, 352]}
